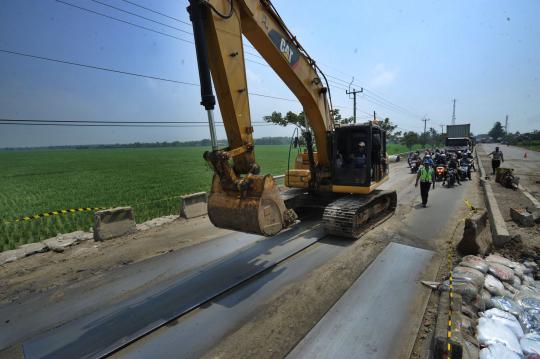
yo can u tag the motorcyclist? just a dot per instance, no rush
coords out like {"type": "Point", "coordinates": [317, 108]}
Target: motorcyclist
{"type": "Point", "coordinates": [452, 164]}
{"type": "Point", "coordinates": [410, 158]}
{"type": "Point", "coordinates": [470, 159]}
{"type": "Point", "coordinates": [466, 161]}
{"type": "Point", "coordinates": [429, 160]}
{"type": "Point", "coordinates": [440, 160]}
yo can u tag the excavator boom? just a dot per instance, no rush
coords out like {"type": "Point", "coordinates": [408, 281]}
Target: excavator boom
{"type": "Point", "coordinates": [240, 198]}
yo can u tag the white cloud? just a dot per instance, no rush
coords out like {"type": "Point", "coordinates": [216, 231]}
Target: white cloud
{"type": "Point", "coordinates": [382, 76]}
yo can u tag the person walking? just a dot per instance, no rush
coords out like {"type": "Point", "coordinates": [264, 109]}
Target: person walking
{"type": "Point", "coordinates": [427, 178]}
{"type": "Point", "coordinates": [496, 160]}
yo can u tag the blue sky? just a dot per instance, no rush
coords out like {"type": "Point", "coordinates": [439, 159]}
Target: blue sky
{"type": "Point", "coordinates": [417, 54]}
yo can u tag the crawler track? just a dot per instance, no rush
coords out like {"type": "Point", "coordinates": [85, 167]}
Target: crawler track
{"type": "Point", "coordinates": [352, 216]}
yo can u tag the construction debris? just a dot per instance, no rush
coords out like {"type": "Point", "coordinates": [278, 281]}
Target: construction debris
{"type": "Point", "coordinates": [505, 176]}
{"type": "Point", "coordinates": [522, 217]}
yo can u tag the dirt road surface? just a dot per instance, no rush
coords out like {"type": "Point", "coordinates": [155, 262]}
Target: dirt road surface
{"type": "Point", "coordinates": [526, 239]}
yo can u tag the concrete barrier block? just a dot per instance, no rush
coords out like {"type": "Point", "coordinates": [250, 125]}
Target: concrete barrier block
{"type": "Point", "coordinates": [113, 222]}
{"type": "Point", "coordinates": [194, 205]}
{"type": "Point", "coordinates": [499, 231]}
{"type": "Point", "coordinates": [476, 237]}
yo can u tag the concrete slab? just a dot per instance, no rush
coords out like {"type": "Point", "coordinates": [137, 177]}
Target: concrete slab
{"type": "Point", "coordinates": [10, 256]}
{"type": "Point", "coordinates": [377, 315]}
{"type": "Point", "coordinates": [101, 333]}
{"type": "Point", "coordinates": [33, 248]}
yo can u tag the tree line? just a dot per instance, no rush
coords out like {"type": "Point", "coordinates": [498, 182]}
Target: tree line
{"type": "Point", "coordinates": [499, 133]}
{"type": "Point", "coordinates": [409, 138]}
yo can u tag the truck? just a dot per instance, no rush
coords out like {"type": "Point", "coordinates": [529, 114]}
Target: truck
{"type": "Point", "coordinates": [458, 138]}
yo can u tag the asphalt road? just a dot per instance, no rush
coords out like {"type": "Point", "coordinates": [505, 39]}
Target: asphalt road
{"type": "Point", "coordinates": [420, 227]}
{"type": "Point", "coordinates": [95, 316]}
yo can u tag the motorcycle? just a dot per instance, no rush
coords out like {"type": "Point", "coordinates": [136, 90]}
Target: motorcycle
{"type": "Point", "coordinates": [415, 165]}
{"type": "Point", "coordinates": [439, 172]}
{"type": "Point", "coordinates": [451, 176]}
{"type": "Point", "coordinates": [464, 170]}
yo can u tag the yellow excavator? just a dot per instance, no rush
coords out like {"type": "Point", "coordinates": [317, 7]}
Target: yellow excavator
{"type": "Point", "coordinates": [338, 173]}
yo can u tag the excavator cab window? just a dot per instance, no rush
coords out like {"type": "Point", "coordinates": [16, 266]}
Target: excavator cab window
{"type": "Point", "coordinates": [352, 155]}
{"type": "Point", "coordinates": [359, 155]}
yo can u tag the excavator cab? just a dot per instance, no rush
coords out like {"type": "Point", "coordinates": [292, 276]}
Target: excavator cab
{"type": "Point", "coordinates": [359, 158]}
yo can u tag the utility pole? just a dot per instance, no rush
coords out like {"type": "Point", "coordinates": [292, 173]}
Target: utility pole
{"type": "Point", "coordinates": [425, 119]}
{"type": "Point", "coordinates": [506, 125]}
{"type": "Point", "coordinates": [454, 113]}
{"type": "Point", "coordinates": [442, 129]}
{"type": "Point", "coordinates": [353, 92]}
{"type": "Point", "coordinates": [374, 116]}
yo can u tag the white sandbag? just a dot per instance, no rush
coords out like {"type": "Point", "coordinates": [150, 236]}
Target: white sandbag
{"type": "Point", "coordinates": [498, 351]}
{"type": "Point", "coordinates": [467, 289]}
{"type": "Point", "coordinates": [475, 262]}
{"type": "Point", "coordinates": [493, 285]}
{"type": "Point", "coordinates": [502, 272]}
{"type": "Point", "coordinates": [517, 282]}
{"type": "Point", "coordinates": [507, 319]}
{"type": "Point", "coordinates": [506, 304]}
{"type": "Point", "coordinates": [468, 274]}
{"type": "Point", "coordinates": [530, 320]}
{"type": "Point", "coordinates": [519, 270]}
{"type": "Point", "coordinates": [486, 296]}
{"type": "Point", "coordinates": [495, 258]}
{"type": "Point", "coordinates": [530, 343]}
{"type": "Point", "coordinates": [490, 331]}
{"type": "Point", "coordinates": [496, 312]}
{"type": "Point", "coordinates": [510, 288]}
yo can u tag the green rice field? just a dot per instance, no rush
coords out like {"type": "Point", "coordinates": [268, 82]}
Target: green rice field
{"type": "Point", "coordinates": [148, 179]}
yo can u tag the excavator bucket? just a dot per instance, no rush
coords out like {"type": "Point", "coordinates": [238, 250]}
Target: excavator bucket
{"type": "Point", "coordinates": [260, 209]}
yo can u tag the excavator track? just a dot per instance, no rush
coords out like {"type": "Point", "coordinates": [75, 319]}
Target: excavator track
{"type": "Point", "coordinates": [351, 216]}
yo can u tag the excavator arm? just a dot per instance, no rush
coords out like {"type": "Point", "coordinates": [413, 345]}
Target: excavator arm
{"type": "Point", "coordinates": [240, 198]}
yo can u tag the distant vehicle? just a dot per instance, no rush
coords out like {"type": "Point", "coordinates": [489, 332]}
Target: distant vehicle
{"type": "Point", "coordinates": [458, 138]}
{"type": "Point", "coordinates": [457, 144]}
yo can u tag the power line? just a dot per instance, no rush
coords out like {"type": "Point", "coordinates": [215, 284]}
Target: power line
{"type": "Point", "coordinates": [191, 42]}
{"type": "Point", "coordinates": [117, 122]}
{"type": "Point", "coordinates": [374, 95]}
{"type": "Point", "coordinates": [156, 12]}
{"type": "Point", "coordinates": [123, 21]}
{"type": "Point", "coordinates": [140, 16]}
{"type": "Point", "coordinates": [130, 73]}
{"type": "Point", "coordinates": [375, 101]}
{"type": "Point", "coordinates": [113, 125]}
{"type": "Point", "coordinates": [98, 68]}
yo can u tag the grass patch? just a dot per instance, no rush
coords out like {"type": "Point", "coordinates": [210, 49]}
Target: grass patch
{"type": "Point", "coordinates": [43, 180]}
